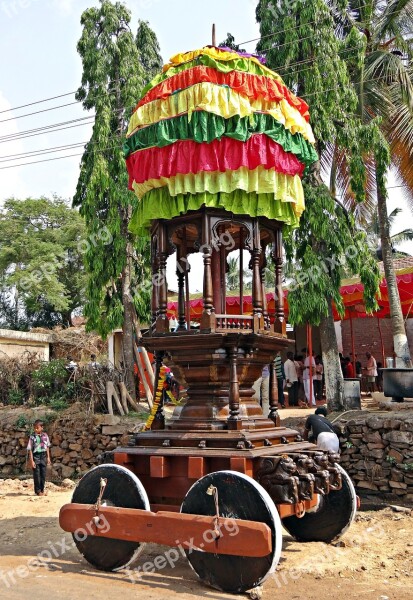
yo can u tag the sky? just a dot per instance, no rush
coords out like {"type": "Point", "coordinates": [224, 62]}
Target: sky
{"type": "Point", "coordinates": [39, 60]}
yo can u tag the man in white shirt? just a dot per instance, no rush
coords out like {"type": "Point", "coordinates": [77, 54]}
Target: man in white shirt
{"type": "Point", "coordinates": [291, 379]}
{"type": "Point", "coordinates": [371, 372]}
{"type": "Point", "coordinates": [309, 363]}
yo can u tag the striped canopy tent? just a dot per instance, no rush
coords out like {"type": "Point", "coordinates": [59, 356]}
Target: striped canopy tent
{"type": "Point", "coordinates": [218, 129]}
{"type": "Point", "coordinates": [351, 292]}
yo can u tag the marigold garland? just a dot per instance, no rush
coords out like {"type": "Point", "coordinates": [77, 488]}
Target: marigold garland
{"type": "Point", "coordinates": [158, 397]}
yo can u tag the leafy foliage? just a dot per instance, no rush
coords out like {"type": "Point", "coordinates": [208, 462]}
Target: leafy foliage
{"type": "Point", "coordinates": [229, 42]}
{"type": "Point", "coordinates": [383, 83]}
{"type": "Point", "coordinates": [113, 75]}
{"type": "Point", "coordinates": [149, 51]}
{"type": "Point", "coordinates": [326, 245]}
{"type": "Point", "coordinates": [233, 275]}
{"type": "Point", "coordinates": [41, 270]}
{"type": "Point", "coordinates": [303, 47]}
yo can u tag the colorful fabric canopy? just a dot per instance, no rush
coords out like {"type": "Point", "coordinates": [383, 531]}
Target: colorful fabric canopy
{"type": "Point", "coordinates": [218, 128]}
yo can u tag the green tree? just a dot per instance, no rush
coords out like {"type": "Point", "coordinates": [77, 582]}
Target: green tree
{"type": "Point", "coordinates": [41, 268]}
{"type": "Point", "coordinates": [233, 275]}
{"type": "Point", "coordinates": [300, 42]}
{"type": "Point", "coordinates": [229, 42]}
{"type": "Point", "coordinates": [374, 239]}
{"type": "Point", "coordinates": [111, 83]}
{"type": "Point", "coordinates": [149, 51]}
{"type": "Point", "coordinates": [384, 85]}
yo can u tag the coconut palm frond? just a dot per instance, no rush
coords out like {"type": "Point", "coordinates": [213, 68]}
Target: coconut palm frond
{"type": "Point", "coordinates": [402, 162]}
{"type": "Point", "coordinates": [403, 236]}
{"type": "Point", "coordinates": [388, 68]}
{"type": "Point", "coordinates": [388, 21]}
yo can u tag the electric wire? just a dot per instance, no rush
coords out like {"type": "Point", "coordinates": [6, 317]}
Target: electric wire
{"type": "Point", "coordinates": [240, 44]}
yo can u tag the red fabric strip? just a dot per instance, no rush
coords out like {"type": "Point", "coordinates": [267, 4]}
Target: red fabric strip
{"type": "Point", "coordinates": [252, 86]}
{"type": "Point", "coordinates": [220, 155]}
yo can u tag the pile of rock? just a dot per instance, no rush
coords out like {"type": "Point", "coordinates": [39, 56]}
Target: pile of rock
{"type": "Point", "coordinates": [76, 444]}
{"type": "Point", "coordinates": [13, 443]}
{"type": "Point", "coordinates": [377, 452]}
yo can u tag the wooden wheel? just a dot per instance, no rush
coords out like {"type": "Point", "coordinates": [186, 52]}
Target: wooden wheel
{"type": "Point", "coordinates": [239, 497]}
{"type": "Point", "coordinates": [330, 520]}
{"type": "Point", "coordinates": [123, 489]}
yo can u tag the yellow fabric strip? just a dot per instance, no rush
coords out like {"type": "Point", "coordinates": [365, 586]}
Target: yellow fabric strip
{"type": "Point", "coordinates": [217, 54]}
{"type": "Point", "coordinates": [221, 101]}
{"type": "Point", "coordinates": [287, 188]}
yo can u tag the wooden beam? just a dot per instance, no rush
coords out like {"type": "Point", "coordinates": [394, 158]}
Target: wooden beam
{"type": "Point", "coordinates": [165, 528]}
{"type": "Point", "coordinates": [149, 395]}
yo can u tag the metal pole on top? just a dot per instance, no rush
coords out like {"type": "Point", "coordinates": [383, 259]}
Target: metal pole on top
{"type": "Point", "coordinates": [214, 38]}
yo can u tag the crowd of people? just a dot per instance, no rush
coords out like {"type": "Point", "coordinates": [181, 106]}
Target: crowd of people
{"type": "Point", "coordinates": [303, 390]}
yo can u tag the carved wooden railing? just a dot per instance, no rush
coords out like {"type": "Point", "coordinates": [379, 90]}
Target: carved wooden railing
{"type": "Point", "coordinates": [234, 323]}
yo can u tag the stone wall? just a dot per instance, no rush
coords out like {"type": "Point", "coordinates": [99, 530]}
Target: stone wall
{"type": "Point", "coordinates": [76, 445]}
{"type": "Point", "coordinates": [377, 450]}
{"type": "Point", "coordinates": [377, 453]}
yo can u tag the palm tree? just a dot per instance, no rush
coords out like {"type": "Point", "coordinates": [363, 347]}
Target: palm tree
{"type": "Point", "coordinates": [373, 235]}
{"type": "Point", "coordinates": [233, 275]}
{"type": "Point", "coordinates": [384, 86]}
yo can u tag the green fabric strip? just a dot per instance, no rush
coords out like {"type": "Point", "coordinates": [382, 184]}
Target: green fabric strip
{"type": "Point", "coordinates": [158, 204]}
{"type": "Point", "coordinates": [206, 127]}
{"type": "Point", "coordinates": [238, 64]}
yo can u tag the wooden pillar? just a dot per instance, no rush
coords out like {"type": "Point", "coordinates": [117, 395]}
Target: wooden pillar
{"type": "Point", "coordinates": [162, 325]}
{"type": "Point", "coordinates": [223, 273]}
{"type": "Point", "coordinates": [181, 296]}
{"type": "Point", "coordinates": [154, 295]}
{"type": "Point", "coordinates": [234, 419]}
{"type": "Point", "coordinates": [187, 268]}
{"type": "Point", "coordinates": [279, 320]}
{"type": "Point", "coordinates": [216, 279]}
{"type": "Point", "coordinates": [241, 271]}
{"type": "Point", "coordinates": [256, 279]}
{"type": "Point", "coordinates": [208, 313]}
{"type": "Point", "coordinates": [273, 415]}
{"type": "Point", "coordinates": [264, 295]}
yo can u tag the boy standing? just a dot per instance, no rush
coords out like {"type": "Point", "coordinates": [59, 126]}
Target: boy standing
{"type": "Point", "coordinates": [39, 455]}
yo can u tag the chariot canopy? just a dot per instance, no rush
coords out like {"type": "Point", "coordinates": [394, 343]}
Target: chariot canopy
{"type": "Point", "coordinates": [219, 129]}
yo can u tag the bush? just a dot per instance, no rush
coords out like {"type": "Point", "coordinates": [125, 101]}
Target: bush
{"type": "Point", "coordinates": [21, 422]}
{"type": "Point", "coordinates": [16, 397]}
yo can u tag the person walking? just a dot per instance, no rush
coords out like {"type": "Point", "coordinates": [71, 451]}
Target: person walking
{"type": "Point", "coordinates": [291, 379]}
{"type": "Point", "coordinates": [39, 456]}
{"type": "Point", "coordinates": [322, 431]}
{"type": "Point", "coordinates": [371, 372]}
{"type": "Point", "coordinates": [309, 363]}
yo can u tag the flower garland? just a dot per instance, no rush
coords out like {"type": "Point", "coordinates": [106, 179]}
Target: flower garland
{"type": "Point", "coordinates": [158, 397]}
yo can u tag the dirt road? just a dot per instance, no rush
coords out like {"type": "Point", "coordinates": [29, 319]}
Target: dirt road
{"type": "Point", "coordinates": [373, 560]}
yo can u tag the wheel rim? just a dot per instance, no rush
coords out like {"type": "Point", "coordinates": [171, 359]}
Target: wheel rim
{"type": "Point", "coordinates": [334, 516]}
{"type": "Point", "coordinates": [239, 497]}
{"type": "Point", "coordinates": [124, 490]}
